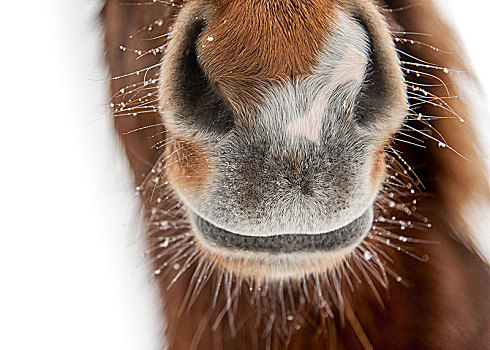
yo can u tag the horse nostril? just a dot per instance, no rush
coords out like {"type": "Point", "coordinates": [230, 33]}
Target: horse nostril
{"type": "Point", "coordinates": [188, 97]}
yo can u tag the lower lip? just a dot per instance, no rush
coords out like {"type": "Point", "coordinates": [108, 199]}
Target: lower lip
{"type": "Point", "coordinates": [343, 237]}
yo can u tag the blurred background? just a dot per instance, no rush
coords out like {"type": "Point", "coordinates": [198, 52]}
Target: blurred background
{"type": "Point", "coordinates": [73, 274]}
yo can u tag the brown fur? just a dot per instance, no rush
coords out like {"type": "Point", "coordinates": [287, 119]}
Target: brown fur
{"type": "Point", "coordinates": [378, 168]}
{"type": "Point", "coordinates": [187, 164]}
{"type": "Point", "coordinates": [262, 49]}
{"type": "Point", "coordinates": [445, 305]}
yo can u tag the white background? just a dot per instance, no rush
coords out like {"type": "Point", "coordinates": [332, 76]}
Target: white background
{"type": "Point", "coordinates": [71, 271]}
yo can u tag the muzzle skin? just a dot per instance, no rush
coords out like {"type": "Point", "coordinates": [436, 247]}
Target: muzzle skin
{"type": "Point", "coordinates": [304, 159]}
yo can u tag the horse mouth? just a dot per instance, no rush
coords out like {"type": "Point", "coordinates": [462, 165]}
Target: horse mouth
{"type": "Point", "coordinates": [347, 236]}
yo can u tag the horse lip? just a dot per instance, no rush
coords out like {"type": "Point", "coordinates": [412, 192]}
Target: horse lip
{"type": "Point", "coordinates": [346, 236]}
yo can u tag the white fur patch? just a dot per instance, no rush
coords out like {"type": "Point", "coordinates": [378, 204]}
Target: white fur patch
{"type": "Point", "coordinates": [351, 68]}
